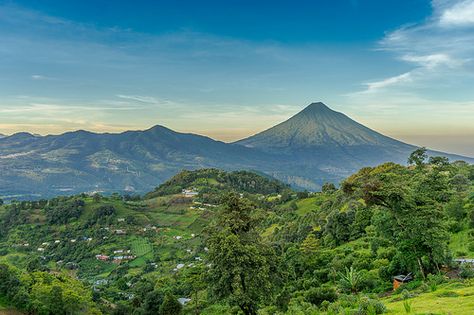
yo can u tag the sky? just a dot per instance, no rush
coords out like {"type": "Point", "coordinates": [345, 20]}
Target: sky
{"type": "Point", "coordinates": [229, 69]}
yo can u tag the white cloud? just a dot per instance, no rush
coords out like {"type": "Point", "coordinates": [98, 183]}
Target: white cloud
{"type": "Point", "coordinates": [376, 85]}
{"type": "Point", "coordinates": [460, 14]}
{"type": "Point", "coordinates": [38, 77]}
{"type": "Point", "coordinates": [432, 61]}
{"type": "Point", "coordinates": [438, 53]}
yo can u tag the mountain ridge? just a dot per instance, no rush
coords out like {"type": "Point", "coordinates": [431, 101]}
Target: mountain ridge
{"type": "Point", "coordinates": [314, 146]}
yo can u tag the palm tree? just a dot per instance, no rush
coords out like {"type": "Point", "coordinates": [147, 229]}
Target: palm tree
{"type": "Point", "coordinates": [350, 280]}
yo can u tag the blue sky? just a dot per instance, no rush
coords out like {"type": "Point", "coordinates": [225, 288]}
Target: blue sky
{"type": "Point", "coordinates": [228, 69]}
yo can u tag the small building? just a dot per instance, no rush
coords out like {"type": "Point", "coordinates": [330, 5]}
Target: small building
{"type": "Point", "coordinates": [188, 193]}
{"type": "Point", "coordinates": [119, 259]}
{"type": "Point", "coordinates": [401, 279]}
{"type": "Point", "coordinates": [102, 257]}
{"type": "Point", "coordinates": [120, 220]}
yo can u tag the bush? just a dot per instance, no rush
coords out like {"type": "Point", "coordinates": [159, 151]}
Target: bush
{"type": "Point", "coordinates": [371, 306]}
{"type": "Point", "coordinates": [317, 296]}
{"type": "Point", "coordinates": [436, 278]}
{"type": "Point", "coordinates": [466, 272]}
{"type": "Point", "coordinates": [461, 253]}
{"type": "Point", "coordinates": [471, 246]}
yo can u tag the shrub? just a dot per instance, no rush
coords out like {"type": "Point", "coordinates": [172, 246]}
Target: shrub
{"type": "Point", "coordinates": [371, 306]}
{"type": "Point", "coordinates": [461, 253]}
{"type": "Point", "coordinates": [471, 246]}
{"type": "Point", "coordinates": [466, 272]}
{"type": "Point", "coordinates": [436, 278]}
{"type": "Point", "coordinates": [317, 296]}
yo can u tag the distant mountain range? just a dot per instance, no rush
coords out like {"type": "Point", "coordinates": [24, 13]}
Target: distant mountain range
{"type": "Point", "coordinates": [314, 146]}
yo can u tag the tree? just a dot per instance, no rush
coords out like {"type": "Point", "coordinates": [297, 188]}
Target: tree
{"type": "Point", "coordinates": [241, 264]}
{"type": "Point", "coordinates": [418, 157]}
{"type": "Point", "coordinates": [170, 306]}
{"type": "Point", "coordinates": [56, 303]}
{"type": "Point", "coordinates": [439, 161]}
{"type": "Point", "coordinates": [310, 244]}
{"type": "Point", "coordinates": [416, 219]}
{"type": "Point", "coordinates": [152, 303]}
{"type": "Point", "coordinates": [350, 279]}
{"type": "Point", "coordinates": [328, 188]}
{"type": "Point", "coordinates": [460, 182]}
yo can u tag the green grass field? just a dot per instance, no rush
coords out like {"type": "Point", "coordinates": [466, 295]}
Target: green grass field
{"type": "Point", "coordinates": [460, 244]}
{"type": "Point", "coordinates": [452, 298]}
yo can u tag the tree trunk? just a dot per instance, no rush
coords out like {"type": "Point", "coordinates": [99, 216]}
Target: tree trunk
{"type": "Point", "coordinates": [421, 268]}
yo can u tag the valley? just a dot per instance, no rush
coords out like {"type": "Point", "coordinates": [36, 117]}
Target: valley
{"type": "Point", "coordinates": [330, 252]}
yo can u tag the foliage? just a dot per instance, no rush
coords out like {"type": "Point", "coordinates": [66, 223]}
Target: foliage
{"type": "Point", "coordinates": [241, 263]}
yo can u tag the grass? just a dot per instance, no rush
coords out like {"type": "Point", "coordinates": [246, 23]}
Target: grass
{"type": "Point", "coordinates": [306, 205]}
{"type": "Point", "coordinates": [451, 298]}
{"type": "Point", "coordinates": [460, 243]}
{"type": "Point", "coordinates": [140, 246]}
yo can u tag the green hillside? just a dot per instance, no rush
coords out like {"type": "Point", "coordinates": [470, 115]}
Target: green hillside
{"type": "Point", "coordinates": [244, 243]}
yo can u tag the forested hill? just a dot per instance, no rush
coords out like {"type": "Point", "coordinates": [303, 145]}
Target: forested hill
{"type": "Point", "coordinates": [255, 249]}
{"type": "Point", "coordinates": [213, 180]}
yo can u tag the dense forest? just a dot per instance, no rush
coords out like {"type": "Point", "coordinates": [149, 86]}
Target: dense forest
{"type": "Point", "coordinates": [247, 244]}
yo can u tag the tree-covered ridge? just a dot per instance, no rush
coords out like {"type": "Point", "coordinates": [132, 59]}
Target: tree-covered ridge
{"type": "Point", "coordinates": [257, 251]}
{"type": "Point", "coordinates": [208, 181]}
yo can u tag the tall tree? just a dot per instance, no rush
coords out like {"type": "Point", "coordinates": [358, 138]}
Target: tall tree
{"type": "Point", "coordinates": [418, 157]}
{"type": "Point", "coordinates": [241, 263]}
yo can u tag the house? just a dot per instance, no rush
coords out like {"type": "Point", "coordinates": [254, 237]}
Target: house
{"type": "Point", "coordinates": [118, 251]}
{"type": "Point", "coordinates": [57, 241]}
{"type": "Point", "coordinates": [401, 279]}
{"type": "Point", "coordinates": [188, 193]}
{"type": "Point", "coordinates": [119, 232]}
{"type": "Point", "coordinates": [119, 259]}
{"type": "Point", "coordinates": [179, 266]}
{"type": "Point", "coordinates": [73, 240]}
{"type": "Point", "coordinates": [120, 220]}
{"type": "Point", "coordinates": [40, 249]}
{"type": "Point", "coordinates": [101, 282]}
{"type": "Point", "coordinates": [102, 257]}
